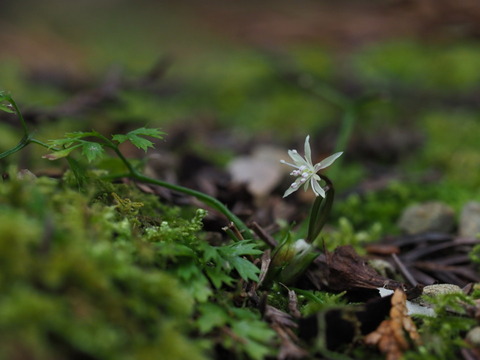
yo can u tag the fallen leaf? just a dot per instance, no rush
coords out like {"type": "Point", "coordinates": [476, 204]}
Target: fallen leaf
{"type": "Point", "coordinates": [390, 336]}
{"type": "Point", "coordinates": [261, 171]}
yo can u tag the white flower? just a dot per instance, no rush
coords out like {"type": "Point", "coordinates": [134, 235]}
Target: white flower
{"type": "Point", "coordinates": [306, 172]}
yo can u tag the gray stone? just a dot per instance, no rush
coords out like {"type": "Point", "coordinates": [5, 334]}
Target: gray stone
{"type": "Point", "coordinates": [440, 289]}
{"type": "Point", "coordinates": [427, 217]}
{"type": "Point", "coordinates": [382, 267]}
{"type": "Point", "coordinates": [469, 225]}
{"type": "Point", "coordinates": [473, 336]}
{"type": "Point", "coordinates": [436, 290]}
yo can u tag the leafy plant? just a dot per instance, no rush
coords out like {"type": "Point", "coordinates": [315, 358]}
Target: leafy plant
{"type": "Point", "coordinates": [93, 150]}
{"type": "Point", "coordinates": [442, 335]}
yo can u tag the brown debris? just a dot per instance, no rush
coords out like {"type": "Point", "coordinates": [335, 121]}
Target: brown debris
{"type": "Point", "coordinates": [432, 258]}
{"type": "Point", "coordinates": [344, 269]}
{"type": "Point", "coordinates": [283, 324]}
{"type": "Point", "coordinates": [390, 336]}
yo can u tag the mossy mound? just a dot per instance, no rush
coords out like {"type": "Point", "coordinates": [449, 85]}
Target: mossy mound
{"type": "Point", "coordinates": [78, 281]}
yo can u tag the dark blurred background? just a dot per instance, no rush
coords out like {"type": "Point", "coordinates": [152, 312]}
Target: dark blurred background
{"type": "Point", "coordinates": [229, 75]}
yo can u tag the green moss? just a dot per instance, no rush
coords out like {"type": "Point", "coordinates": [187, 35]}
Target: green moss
{"type": "Point", "coordinates": [385, 206]}
{"type": "Point", "coordinates": [75, 280]}
{"type": "Point", "coordinates": [345, 234]}
{"type": "Point", "coordinates": [442, 335]}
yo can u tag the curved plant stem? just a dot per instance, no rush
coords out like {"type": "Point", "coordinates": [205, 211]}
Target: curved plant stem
{"type": "Point", "coordinates": [23, 142]}
{"type": "Point", "coordinates": [133, 173]}
{"type": "Point", "coordinates": [320, 211]}
{"type": "Point", "coordinates": [19, 114]}
{"type": "Point", "coordinates": [206, 199]}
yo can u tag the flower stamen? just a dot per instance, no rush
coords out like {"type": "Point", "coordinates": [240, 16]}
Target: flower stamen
{"type": "Point", "coordinates": [306, 170]}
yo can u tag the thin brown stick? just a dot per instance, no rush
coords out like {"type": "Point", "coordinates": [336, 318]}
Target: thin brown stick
{"type": "Point", "coordinates": [401, 267]}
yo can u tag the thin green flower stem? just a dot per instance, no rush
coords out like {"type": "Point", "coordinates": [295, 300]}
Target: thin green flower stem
{"type": "Point", "coordinates": [134, 173]}
{"type": "Point", "coordinates": [27, 137]}
{"type": "Point", "coordinates": [26, 140]}
{"type": "Point", "coordinates": [206, 199]}
{"type": "Point", "coordinates": [41, 143]}
{"type": "Point", "coordinates": [23, 142]}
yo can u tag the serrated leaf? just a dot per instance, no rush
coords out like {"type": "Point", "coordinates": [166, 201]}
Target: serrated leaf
{"type": "Point", "coordinates": [211, 316]}
{"type": "Point", "coordinates": [80, 134]}
{"type": "Point", "coordinates": [245, 268]}
{"type": "Point", "coordinates": [120, 138]}
{"type": "Point", "coordinates": [244, 247]}
{"type": "Point", "coordinates": [70, 138]}
{"type": "Point", "coordinates": [218, 277]}
{"type": "Point", "coordinates": [135, 137]}
{"type": "Point", "coordinates": [92, 150]}
{"type": "Point", "coordinates": [140, 142]}
{"type": "Point", "coordinates": [155, 133]}
{"type": "Point", "coordinates": [64, 143]}
{"type": "Point", "coordinates": [60, 153]}
{"type": "Point", "coordinates": [257, 335]}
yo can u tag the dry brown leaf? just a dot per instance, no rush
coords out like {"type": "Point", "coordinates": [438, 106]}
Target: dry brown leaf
{"type": "Point", "coordinates": [390, 336]}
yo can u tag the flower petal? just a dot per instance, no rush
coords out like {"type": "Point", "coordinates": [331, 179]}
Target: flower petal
{"type": "Point", "coordinates": [308, 151]}
{"type": "Point", "coordinates": [327, 161]}
{"type": "Point", "coordinates": [289, 191]}
{"type": "Point", "coordinates": [317, 189]}
{"type": "Point", "coordinates": [297, 185]}
{"type": "Point", "coordinates": [305, 187]}
{"type": "Point", "coordinates": [286, 163]}
{"type": "Point", "coordinates": [297, 159]}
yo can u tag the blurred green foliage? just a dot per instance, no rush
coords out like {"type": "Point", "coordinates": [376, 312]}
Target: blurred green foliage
{"type": "Point", "coordinates": [443, 334]}
{"type": "Point", "coordinates": [452, 148]}
{"type": "Point", "coordinates": [80, 277]}
{"type": "Point", "coordinates": [438, 68]}
{"type": "Point", "coordinates": [83, 275]}
{"type": "Point", "coordinates": [76, 280]}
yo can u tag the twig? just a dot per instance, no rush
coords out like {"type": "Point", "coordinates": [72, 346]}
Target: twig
{"type": "Point", "coordinates": [262, 234]}
{"type": "Point", "coordinates": [404, 270]}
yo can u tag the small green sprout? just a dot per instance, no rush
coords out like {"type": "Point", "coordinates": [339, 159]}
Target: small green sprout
{"type": "Point", "coordinates": [292, 257]}
{"type": "Point", "coordinates": [93, 145]}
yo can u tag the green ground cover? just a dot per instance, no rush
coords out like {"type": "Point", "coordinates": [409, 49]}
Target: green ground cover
{"type": "Point", "coordinates": [85, 275]}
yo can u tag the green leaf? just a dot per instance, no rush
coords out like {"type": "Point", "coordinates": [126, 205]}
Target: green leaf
{"type": "Point", "coordinates": [155, 133]}
{"type": "Point", "coordinates": [245, 268]}
{"type": "Point", "coordinates": [71, 138]}
{"type": "Point", "coordinates": [78, 171]}
{"type": "Point", "coordinates": [136, 137]}
{"type": "Point", "coordinates": [233, 255]}
{"type": "Point", "coordinates": [6, 108]}
{"type": "Point", "coordinates": [140, 143]}
{"type": "Point", "coordinates": [218, 277]}
{"type": "Point", "coordinates": [211, 316]}
{"type": "Point", "coordinates": [92, 150]}
{"type": "Point", "coordinates": [228, 258]}
{"type": "Point", "coordinates": [320, 211]}
{"type": "Point", "coordinates": [80, 134]}
{"type": "Point", "coordinates": [244, 247]}
{"type": "Point", "coordinates": [60, 153]}
{"type": "Point", "coordinates": [256, 335]}
{"type": "Point", "coordinates": [120, 138]}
